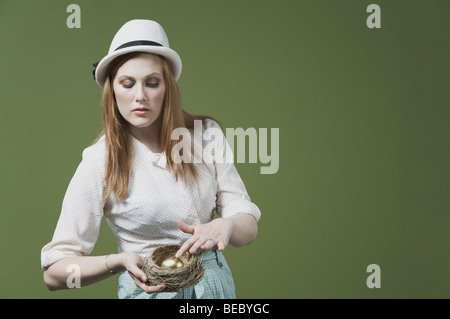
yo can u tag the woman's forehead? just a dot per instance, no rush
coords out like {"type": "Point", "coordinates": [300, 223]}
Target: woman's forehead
{"type": "Point", "coordinates": [141, 65]}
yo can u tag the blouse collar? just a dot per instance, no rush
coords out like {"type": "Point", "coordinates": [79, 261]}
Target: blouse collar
{"type": "Point", "coordinates": [158, 159]}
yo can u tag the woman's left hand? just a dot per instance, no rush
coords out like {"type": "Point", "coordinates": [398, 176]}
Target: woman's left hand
{"type": "Point", "coordinates": [214, 234]}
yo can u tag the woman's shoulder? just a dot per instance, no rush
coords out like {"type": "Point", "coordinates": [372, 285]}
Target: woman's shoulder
{"type": "Point", "coordinates": [96, 152]}
{"type": "Point", "coordinates": [211, 123]}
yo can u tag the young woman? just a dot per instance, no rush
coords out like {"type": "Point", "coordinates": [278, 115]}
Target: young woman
{"type": "Point", "coordinates": [130, 177]}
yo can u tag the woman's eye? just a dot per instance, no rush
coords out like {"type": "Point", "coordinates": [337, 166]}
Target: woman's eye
{"type": "Point", "coordinates": [148, 84]}
{"type": "Point", "coordinates": [152, 84]}
{"type": "Point", "coordinates": [127, 85]}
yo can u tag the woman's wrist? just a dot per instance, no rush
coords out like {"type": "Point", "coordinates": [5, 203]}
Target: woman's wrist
{"type": "Point", "coordinates": [243, 230]}
{"type": "Point", "coordinates": [115, 263]}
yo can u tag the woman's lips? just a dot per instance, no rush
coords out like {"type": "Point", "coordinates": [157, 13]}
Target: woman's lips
{"type": "Point", "coordinates": [140, 111]}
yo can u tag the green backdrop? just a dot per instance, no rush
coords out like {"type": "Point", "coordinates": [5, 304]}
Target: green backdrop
{"type": "Point", "coordinates": [362, 114]}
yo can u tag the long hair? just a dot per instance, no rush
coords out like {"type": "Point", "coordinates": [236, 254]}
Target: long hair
{"type": "Point", "coordinates": [119, 153]}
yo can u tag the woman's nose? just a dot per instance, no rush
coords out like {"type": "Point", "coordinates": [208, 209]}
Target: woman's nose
{"type": "Point", "coordinates": [140, 97]}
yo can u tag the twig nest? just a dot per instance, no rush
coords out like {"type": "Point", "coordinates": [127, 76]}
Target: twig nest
{"type": "Point", "coordinates": [185, 272]}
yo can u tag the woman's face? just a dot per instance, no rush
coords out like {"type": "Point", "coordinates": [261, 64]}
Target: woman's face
{"type": "Point", "coordinates": [139, 90]}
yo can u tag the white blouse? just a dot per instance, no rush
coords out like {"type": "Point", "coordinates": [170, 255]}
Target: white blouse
{"type": "Point", "coordinates": [148, 216]}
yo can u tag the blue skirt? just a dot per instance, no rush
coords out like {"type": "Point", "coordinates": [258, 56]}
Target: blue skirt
{"type": "Point", "coordinates": [217, 283]}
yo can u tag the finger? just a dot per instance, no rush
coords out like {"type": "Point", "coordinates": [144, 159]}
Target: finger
{"type": "Point", "coordinates": [196, 245]}
{"type": "Point", "coordinates": [186, 246]}
{"type": "Point", "coordinates": [209, 244]}
{"type": "Point", "coordinates": [138, 282]}
{"type": "Point", "coordinates": [221, 246]}
{"type": "Point", "coordinates": [147, 288]}
{"type": "Point", "coordinates": [153, 289]}
{"type": "Point", "coordinates": [185, 228]}
{"type": "Point", "coordinates": [137, 272]}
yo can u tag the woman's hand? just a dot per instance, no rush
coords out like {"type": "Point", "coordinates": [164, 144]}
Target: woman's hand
{"type": "Point", "coordinates": [215, 234]}
{"type": "Point", "coordinates": [133, 264]}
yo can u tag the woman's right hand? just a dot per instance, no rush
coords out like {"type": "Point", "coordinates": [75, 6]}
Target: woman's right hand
{"type": "Point", "coordinates": [132, 262]}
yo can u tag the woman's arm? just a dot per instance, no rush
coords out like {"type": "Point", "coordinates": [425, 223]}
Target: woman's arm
{"type": "Point", "coordinates": [237, 230]}
{"type": "Point", "coordinates": [245, 229]}
{"type": "Point", "coordinates": [94, 269]}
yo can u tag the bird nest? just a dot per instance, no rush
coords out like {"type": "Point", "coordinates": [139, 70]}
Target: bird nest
{"type": "Point", "coordinates": [174, 279]}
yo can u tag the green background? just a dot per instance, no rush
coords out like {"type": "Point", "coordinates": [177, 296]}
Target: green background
{"type": "Point", "coordinates": [363, 118]}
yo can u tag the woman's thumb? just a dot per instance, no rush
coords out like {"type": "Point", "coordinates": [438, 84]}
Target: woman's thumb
{"type": "Point", "coordinates": [185, 228]}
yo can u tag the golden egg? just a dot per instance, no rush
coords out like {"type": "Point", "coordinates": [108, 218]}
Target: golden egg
{"type": "Point", "coordinates": [173, 263]}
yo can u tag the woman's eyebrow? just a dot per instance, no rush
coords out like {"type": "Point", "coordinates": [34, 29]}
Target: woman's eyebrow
{"type": "Point", "coordinates": [153, 74]}
{"type": "Point", "coordinates": [132, 78]}
{"type": "Point", "coordinates": [125, 77]}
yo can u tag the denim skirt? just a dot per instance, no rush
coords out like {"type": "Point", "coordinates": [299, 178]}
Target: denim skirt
{"type": "Point", "coordinates": [217, 282]}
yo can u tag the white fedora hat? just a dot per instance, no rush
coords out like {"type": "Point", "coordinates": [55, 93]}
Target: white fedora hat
{"type": "Point", "coordinates": [138, 36]}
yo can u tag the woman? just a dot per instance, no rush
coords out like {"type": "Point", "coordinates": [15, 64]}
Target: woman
{"type": "Point", "coordinates": [149, 198]}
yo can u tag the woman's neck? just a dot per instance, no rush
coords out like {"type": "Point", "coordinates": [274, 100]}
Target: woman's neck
{"type": "Point", "coordinates": [150, 136]}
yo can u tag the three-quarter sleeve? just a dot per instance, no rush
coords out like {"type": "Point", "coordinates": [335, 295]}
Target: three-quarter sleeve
{"type": "Point", "coordinates": [232, 196]}
{"type": "Point", "coordinates": [82, 210]}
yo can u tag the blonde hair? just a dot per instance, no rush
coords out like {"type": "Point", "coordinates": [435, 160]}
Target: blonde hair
{"type": "Point", "coordinates": [119, 155]}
